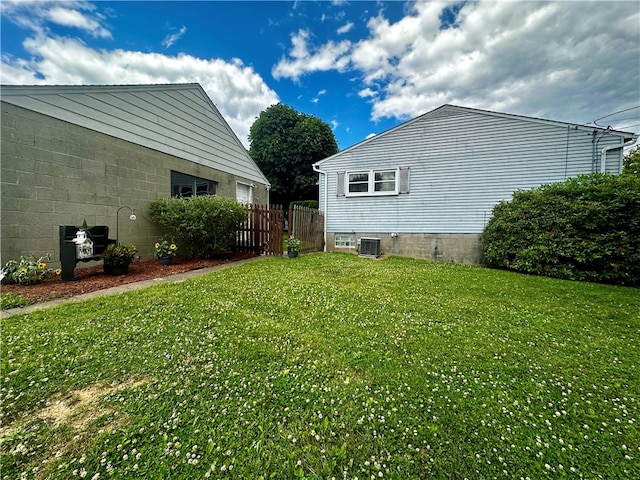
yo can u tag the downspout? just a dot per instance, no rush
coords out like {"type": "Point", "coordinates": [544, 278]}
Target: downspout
{"type": "Point", "coordinates": [326, 197]}
{"type": "Point", "coordinates": [593, 151]}
{"type": "Point", "coordinates": [603, 157]}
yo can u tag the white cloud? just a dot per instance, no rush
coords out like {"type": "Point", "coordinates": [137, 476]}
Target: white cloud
{"type": "Point", "coordinates": [74, 18]}
{"type": "Point", "coordinates": [571, 61]}
{"type": "Point", "coordinates": [174, 37]}
{"type": "Point", "coordinates": [345, 28]}
{"type": "Point", "coordinates": [330, 56]}
{"type": "Point", "coordinates": [237, 90]}
{"type": "Point", "coordinates": [37, 15]}
{"type": "Point", "coordinates": [334, 124]}
{"type": "Point", "coordinates": [366, 92]}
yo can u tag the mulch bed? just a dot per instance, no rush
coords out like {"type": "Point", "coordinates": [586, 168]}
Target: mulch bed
{"type": "Point", "coordinates": [91, 279]}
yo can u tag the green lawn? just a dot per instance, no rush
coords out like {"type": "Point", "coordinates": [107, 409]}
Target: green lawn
{"type": "Point", "coordinates": [328, 366]}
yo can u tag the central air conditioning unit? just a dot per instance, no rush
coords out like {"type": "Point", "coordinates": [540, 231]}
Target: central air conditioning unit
{"type": "Point", "coordinates": [370, 247]}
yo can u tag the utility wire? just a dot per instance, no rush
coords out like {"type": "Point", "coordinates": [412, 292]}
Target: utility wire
{"type": "Point", "coordinates": [595, 122]}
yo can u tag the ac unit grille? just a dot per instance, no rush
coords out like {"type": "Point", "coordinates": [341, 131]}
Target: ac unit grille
{"type": "Point", "coordinates": [370, 247]}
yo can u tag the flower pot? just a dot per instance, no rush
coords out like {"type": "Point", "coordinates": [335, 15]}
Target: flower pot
{"type": "Point", "coordinates": [116, 269]}
{"type": "Point", "coordinates": [293, 254]}
{"type": "Point", "coordinates": [165, 260]}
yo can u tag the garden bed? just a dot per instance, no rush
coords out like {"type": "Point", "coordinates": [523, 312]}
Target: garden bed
{"type": "Point", "coordinates": [91, 279]}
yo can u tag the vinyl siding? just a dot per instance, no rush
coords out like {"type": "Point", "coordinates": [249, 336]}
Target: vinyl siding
{"type": "Point", "coordinates": [179, 120]}
{"type": "Point", "coordinates": [462, 162]}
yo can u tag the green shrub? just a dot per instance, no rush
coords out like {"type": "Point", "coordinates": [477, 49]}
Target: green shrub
{"type": "Point", "coordinates": [586, 228]}
{"type": "Point", "coordinates": [205, 225]}
{"type": "Point", "coordinates": [27, 271]}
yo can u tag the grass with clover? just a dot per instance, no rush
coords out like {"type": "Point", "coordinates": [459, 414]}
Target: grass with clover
{"type": "Point", "coordinates": [329, 366]}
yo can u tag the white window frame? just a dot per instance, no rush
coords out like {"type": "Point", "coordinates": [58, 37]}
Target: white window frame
{"type": "Point", "coordinates": [249, 187]}
{"type": "Point", "coordinates": [371, 182]}
{"type": "Point", "coordinates": [345, 240]}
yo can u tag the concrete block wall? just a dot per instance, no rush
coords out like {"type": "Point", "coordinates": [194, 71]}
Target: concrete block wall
{"type": "Point", "coordinates": [56, 173]}
{"type": "Point", "coordinates": [442, 247]}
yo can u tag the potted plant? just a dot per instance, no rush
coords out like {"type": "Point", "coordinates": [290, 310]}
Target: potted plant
{"type": "Point", "coordinates": [117, 257]}
{"type": "Point", "coordinates": [165, 251]}
{"type": "Point", "coordinates": [293, 246]}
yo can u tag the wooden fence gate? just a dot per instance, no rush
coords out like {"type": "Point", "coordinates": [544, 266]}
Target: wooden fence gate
{"type": "Point", "coordinates": [307, 224]}
{"type": "Point", "coordinates": [262, 233]}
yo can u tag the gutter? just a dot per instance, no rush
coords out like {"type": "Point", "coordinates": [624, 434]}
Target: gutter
{"type": "Point", "coordinates": [326, 197]}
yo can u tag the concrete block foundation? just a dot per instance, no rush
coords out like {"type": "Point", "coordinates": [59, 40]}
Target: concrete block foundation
{"type": "Point", "coordinates": [442, 247]}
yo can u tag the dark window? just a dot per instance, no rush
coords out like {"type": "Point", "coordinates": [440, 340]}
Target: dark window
{"type": "Point", "coordinates": [183, 185]}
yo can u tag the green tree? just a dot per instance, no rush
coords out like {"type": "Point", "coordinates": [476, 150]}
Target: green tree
{"type": "Point", "coordinates": [284, 143]}
{"type": "Point", "coordinates": [631, 164]}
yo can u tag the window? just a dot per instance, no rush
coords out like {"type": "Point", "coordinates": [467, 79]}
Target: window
{"type": "Point", "coordinates": [382, 182]}
{"type": "Point", "coordinates": [373, 182]}
{"type": "Point", "coordinates": [359, 182]}
{"type": "Point", "coordinates": [244, 193]}
{"type": "Point", "coordinates": [183, 185]}
{"type": "Point", "coordinates": [345, 240]}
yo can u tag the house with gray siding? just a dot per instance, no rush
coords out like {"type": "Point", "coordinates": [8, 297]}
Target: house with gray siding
{"type": "Point", "coordinates": [71, 154]}
{"type": "Point", "coordinates": [427, 187]}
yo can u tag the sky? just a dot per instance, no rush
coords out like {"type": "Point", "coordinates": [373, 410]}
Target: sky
{"type": "Point", "coordinates": [362, 67]}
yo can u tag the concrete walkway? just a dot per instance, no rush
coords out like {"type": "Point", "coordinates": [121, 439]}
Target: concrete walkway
{"type": "Point", "coordinates": [178, 277]}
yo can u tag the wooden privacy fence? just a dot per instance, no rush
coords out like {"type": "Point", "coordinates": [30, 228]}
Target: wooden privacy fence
{"type": "Point", "coordinates": [262, 233]}
{"type": "Point", "coordinates": [307, 224]}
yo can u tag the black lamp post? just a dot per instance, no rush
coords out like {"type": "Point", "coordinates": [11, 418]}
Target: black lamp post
{"type": "Point", "coordinates": [131, 217]}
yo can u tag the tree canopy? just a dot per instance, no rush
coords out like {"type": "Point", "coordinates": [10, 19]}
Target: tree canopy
{"type": "Point", "coordinates": [284, 144]}
{"type": "Point", "coordinates": [631, 165]}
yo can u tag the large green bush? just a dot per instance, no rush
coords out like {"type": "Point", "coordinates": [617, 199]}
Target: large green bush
{"type": "Point", "coordinates": [204, 225]}
{"type": "Point", "coordinates": [586, 228]}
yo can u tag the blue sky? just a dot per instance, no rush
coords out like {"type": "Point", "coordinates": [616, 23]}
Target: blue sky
{"type": "Point", "coordinates": [362, 67]}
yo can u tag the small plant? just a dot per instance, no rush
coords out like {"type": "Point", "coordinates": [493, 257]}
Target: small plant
{"type": "Point", "coordinates": [119, 255]}
{"type": "Point", "coordinates": [27, 271]}
{"type": "Point", "coordinates": [293, 244]}
{"type": "Point", "coordinates": [165, 249]}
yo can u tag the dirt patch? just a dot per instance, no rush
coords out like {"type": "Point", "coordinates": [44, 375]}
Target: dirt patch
{"type": "Point", "coordinates": [91, 279]}
{"type": "Point", "coordinates": [75, 410]}
{"type": "Point", "coordinates": [81, 407]}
